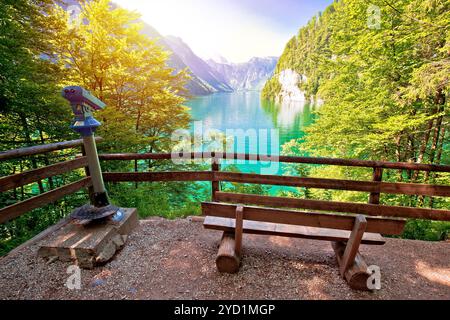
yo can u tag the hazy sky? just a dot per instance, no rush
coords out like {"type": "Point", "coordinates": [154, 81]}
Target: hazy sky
{"type": "Point", "coordinates": [234, 29]}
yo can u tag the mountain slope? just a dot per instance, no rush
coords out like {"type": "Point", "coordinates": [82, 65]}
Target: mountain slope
{"type": "Point", "coordinates": [251, 75]}
{"type": "Point", "coordinates": [198, 66]}
{"type": "Point", "coordinates": [206, 78]}
{"type": "Point", "coordinates": [195, 85]}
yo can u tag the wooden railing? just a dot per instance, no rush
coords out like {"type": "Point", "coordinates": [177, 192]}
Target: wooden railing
{"type": "Point", "coordinates": [374, 187]}
{"type": "Point", "coordinates": [21, 179]}
{"type": "Point", "coordinates": [215, 176]}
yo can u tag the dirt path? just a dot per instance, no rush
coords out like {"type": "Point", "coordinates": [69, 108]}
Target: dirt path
{"type": "Point", "coordinates": [175, 260]}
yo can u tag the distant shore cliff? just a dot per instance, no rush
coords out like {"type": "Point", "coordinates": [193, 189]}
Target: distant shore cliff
{"type": "Point", "coordinates": [297, 76]}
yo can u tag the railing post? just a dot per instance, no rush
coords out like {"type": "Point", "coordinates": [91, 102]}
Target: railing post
{"type": "Point", "coordinates": [135, 170]}
{"type": "Point", "coordinates": [215, 167]}
{"type": "Point", "coordinates": [377, 177]}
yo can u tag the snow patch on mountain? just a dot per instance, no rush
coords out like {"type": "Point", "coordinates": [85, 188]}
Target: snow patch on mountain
{"type": "Point", "coordinates": [247, 76]}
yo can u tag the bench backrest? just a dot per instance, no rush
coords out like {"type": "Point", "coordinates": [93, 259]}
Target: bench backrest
{"type": "Point", "coordinates": [334, 206]}
{"type": "Point", "coordinates": [391, 226]}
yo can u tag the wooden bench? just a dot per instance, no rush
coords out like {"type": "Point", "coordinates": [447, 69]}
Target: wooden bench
{"type": "Point", "coordinates": [345, 231]}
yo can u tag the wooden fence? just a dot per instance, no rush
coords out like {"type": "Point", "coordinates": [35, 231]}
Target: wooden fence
{"type": "Point", "coordinates": [35, 175]}
{"type": "Point", "coordinates": [374, 188]}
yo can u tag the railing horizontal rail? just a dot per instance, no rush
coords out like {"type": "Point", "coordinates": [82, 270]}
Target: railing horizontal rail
{"type": "Point", "coordinates": [350, 185]}
{"type": "Point", "coordinates": [145, 156]}
{"type": "Point", "coordinates": [39, 149]}
{"type": "Point", "coordinates": [158, 176]}
{"type": "Point", "coordinates": [43, 199]}
{"type": "Point", "coordinates": [285, 159]}
{"type": "Point", "coordinates": [345, 207]}
{"type": "Point", "coordinates": [24, 178]}
{"type": "Point", "coordinates": [215, 176]}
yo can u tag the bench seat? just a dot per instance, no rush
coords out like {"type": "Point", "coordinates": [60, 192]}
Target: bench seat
{"type": "Point", "coordinates": [285, 230]}
{"type": "Point", "coordinates": [345, 232]}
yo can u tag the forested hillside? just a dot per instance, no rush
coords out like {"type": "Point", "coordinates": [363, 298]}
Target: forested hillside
{"type": "Point", "coordinates": [303, 54]}
{"type": "Point", "coordinates": [385, 85]}
{"type": "Point", "coordinates": [41, 51]}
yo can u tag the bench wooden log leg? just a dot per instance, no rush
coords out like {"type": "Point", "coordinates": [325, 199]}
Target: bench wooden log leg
{"type": "Point", "coordinates": [351, 264]}
{"type": "Point", "coordinates": [229, 256]}
{"type": "Point", "coordinates": [227, 260]}
{"type": "Point", "coordinates": [357, 275]}
{"type": "Point", "coordinates": [351, 249]}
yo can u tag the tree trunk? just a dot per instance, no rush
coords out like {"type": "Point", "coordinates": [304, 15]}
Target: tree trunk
{"type": "Point", "coordinates": [423, 147]}
{"type": "Point", "coordinates": [398, 156]}
{"type": "Point", "coordinates": [440, 101]}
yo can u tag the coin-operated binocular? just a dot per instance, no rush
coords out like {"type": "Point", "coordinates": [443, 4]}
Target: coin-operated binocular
{"type": "Point", "coordinates": [83, 105]}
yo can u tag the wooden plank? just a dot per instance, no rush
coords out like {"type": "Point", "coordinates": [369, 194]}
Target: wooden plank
{"type": "Point", "coordinates": [357, 275]}
{"type": "Point", "coordinates": [227, 260]}
{"type": "Point", "coordinates": [374, 197]}
{"type": "Point", "coordinates": [309, 219]}
{"type": "Point", "coordinates": [44, 148]}
{"type": "Point", "coordinates": [287, 159]}
{"type": "Point", "coordinates": [158, 176]}
{"type": "Point", "coordinates": [335, 184]}
{"type": "Point", "coordinates": [353, 243]}
{"type": "Point", "coordinates": [366, 163]}
{"type": "Point", "coordinates": [291, 231]}
{"type": "Point", "coordinates": [335, 206]}
{"type": "Point", "coordinates": [19, 208]}
{"type": "Point", "coordinates": [239, 229]}
{"type": "Point", "coordinates": [340, 162]}
{"type": "Point", "coordinates": [153, 156]}
{"type": "Point", "coordinates": [24, 178]}
{"type": "Point", "coordinates": [366, 186]}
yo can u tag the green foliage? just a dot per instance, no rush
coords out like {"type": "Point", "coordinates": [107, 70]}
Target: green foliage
{"type": "Point", "coordinates": [40, 53]}
{"type": "Point", "coordinates": [29, 80]}
{"type": "Point", "coordinates": [169, 200]}
{"type": "Point", "coordinates": [271, 89]}
{"type": "Point", "coordinates": [31, 111]}
{"type": "Point", "coordinates": [304, 53]}
{"type": "Point", "coordinates": [32, 223]}
{"type": "Point", "coordinates": [427, 230]}
{"type": "Point", "coordinates": [385, 91]}
{"type": "Point", "coordinates": [124, 68]}
{"type": "Point", "coordinates": [242, 187]}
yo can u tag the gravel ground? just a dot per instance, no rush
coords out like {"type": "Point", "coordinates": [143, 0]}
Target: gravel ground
{"type": "Point", "coordinates": [176, 260]}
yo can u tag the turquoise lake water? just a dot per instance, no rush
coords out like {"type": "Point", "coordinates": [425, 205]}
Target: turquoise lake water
{"type": "Point", "coordinates": [246, 110]}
